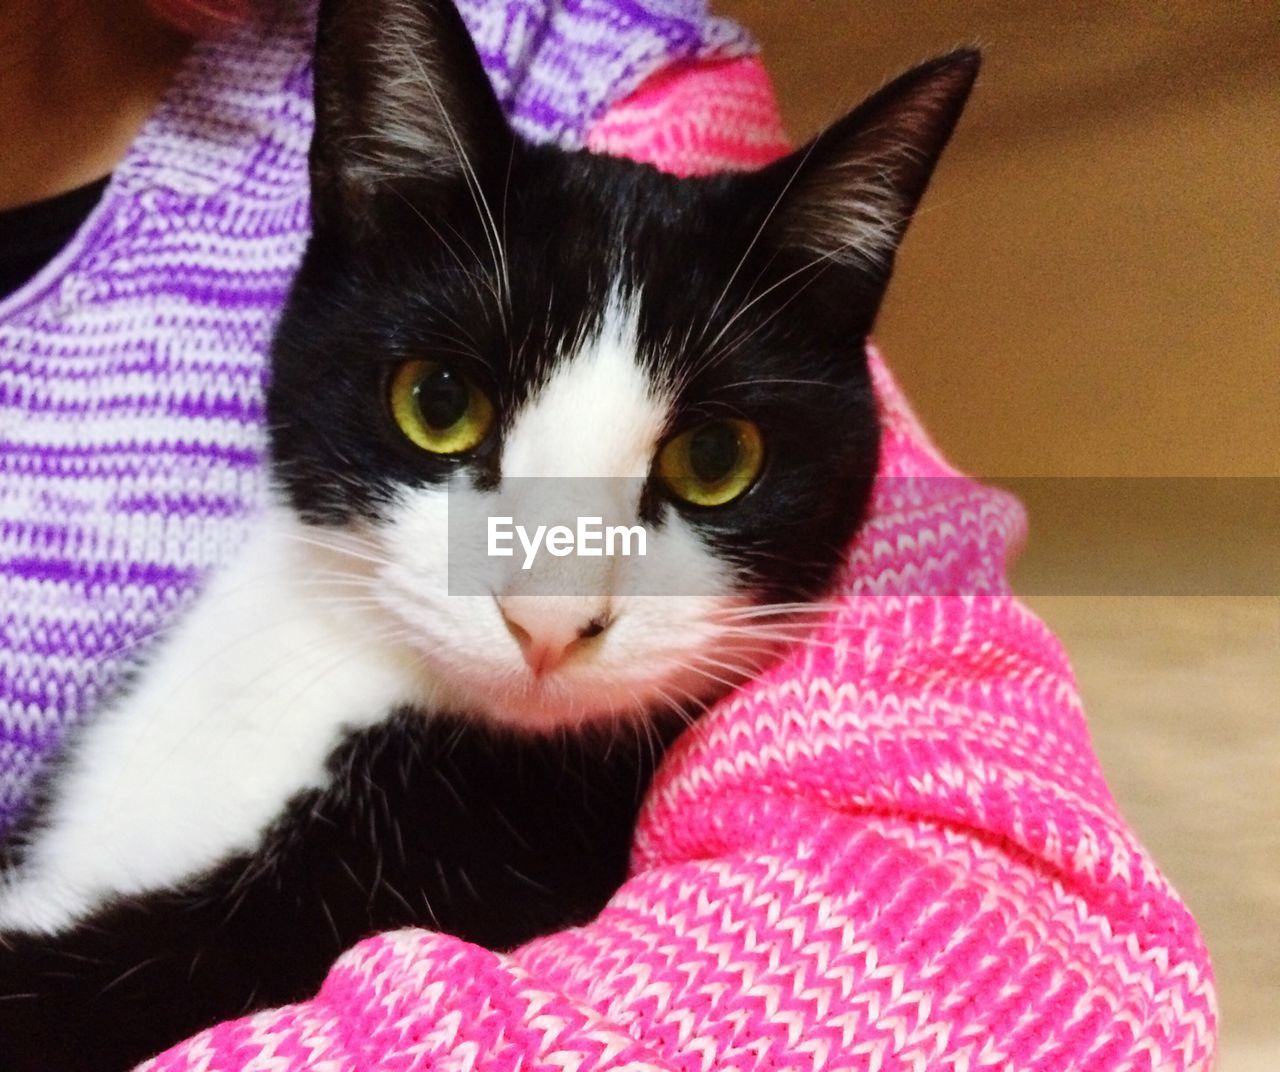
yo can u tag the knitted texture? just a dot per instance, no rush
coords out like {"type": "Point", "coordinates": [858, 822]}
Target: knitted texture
{"type": "Point", "coordinates": [131, 368]}
{"type": "Point", "coordinates": [557, 65]}
{"type": "Point", "coordinates": [893, 850]}
{"type": "Point", "coordinates": [695, 119]}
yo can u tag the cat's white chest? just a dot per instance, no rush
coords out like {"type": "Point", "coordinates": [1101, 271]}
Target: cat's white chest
{"type": "Point", "coordinates": [236, 714]}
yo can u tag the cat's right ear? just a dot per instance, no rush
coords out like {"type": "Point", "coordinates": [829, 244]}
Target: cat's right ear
{"type": "Point", "coordinates": [401, 99]}
{"type": "Point", "coordinates": [847, 197]}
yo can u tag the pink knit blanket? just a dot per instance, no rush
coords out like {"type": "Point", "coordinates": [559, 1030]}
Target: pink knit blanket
{"type": "Point", "coordinates": [895, 850]}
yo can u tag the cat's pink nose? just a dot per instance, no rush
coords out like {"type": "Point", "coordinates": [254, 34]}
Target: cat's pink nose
{"type": "Point", "coordinates": [549, 629]}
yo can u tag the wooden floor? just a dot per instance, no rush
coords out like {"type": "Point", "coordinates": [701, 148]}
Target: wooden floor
{"type": "Point", "coordinates": [1093, 289]}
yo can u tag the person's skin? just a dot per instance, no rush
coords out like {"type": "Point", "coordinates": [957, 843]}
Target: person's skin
{"type": "Point", "coordinates": [78, 78]}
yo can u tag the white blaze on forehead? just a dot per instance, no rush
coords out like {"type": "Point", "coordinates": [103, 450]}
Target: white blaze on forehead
{"type": "Point", "coordinates": [599, 415]}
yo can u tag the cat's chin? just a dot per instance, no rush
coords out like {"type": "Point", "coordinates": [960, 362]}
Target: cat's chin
{"type": "Point", "coordinates": [557, 703]}
{"type": "Point", "coordinates": [547, 706]}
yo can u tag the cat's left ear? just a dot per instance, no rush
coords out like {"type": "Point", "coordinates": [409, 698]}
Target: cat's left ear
{"type": "Point", "coordinates": [846, 198]}
{"type": "Point", "coordinates": [401, 97]}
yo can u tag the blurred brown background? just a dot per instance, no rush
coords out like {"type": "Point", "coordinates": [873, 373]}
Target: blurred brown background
{"type": "Point", "coordinates": [1093, 289]}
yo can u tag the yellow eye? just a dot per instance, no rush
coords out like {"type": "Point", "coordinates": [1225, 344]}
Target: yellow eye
{"type": "Point", "coordinates": [438, 408]}
{"type": "Point", "coordinates": [714, 463]}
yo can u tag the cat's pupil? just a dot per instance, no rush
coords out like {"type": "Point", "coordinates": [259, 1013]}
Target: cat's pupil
{"type": "Point", "coordinates": [443, 397]}
{"type": "Point", "coordinates": [714, 452]}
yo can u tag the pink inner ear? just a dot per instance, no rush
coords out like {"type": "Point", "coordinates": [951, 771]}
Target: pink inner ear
{"type": "Point", "coordinates": [696, 119]}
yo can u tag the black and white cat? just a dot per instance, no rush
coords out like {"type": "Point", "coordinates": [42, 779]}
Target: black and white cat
{"type": "Point", "coordinates": [331, 743]}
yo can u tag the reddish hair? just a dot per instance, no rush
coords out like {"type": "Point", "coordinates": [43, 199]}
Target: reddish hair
{"type": "Point", "coordinates": [206, 18]}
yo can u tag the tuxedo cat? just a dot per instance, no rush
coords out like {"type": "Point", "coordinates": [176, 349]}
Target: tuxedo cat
{"type": "Point", "coordinates": [342, 737]}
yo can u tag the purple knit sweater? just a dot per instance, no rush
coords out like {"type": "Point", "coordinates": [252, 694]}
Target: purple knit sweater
{"type": "Point", "coordinates": [132, 366]}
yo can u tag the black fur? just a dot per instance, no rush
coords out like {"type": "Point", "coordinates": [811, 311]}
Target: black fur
{"type": "Point", "coordinates": [492, 837]}
{"type": "Point", "coordinates": [748, 300]}
{"type": "Point", "coordinates": [745, 304]}
{"type": "Point", "coordinates": [794, 364]}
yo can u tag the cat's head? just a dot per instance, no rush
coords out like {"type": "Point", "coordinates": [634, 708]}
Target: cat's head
{"type": "Point", "coordinates": [478, 318]}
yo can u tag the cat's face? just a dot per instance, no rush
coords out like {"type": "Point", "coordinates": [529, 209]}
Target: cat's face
{"type": "Point", "coordinates": [482, 328]}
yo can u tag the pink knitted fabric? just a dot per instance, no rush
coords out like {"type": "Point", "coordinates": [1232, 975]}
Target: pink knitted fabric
{"type": "Point", "coordinates": [895, 850]}
{"type": "Point", "coordinates": [696, 118]}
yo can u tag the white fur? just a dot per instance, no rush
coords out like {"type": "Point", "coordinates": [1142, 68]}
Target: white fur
{"type": "Point", "coordinates": [413, 129]}
{"type": "Point", "coordinates": [311, 633]}
{"type": "Point", "coordinates": [237, 713]}
{"type": "Point", "coordinates": [599, 415]}
{"type": "Point", "coordinates": [852, 212]}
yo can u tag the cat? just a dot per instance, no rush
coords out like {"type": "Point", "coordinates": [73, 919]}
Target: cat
{"type": "Point", "coordinates": [334, 741]}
